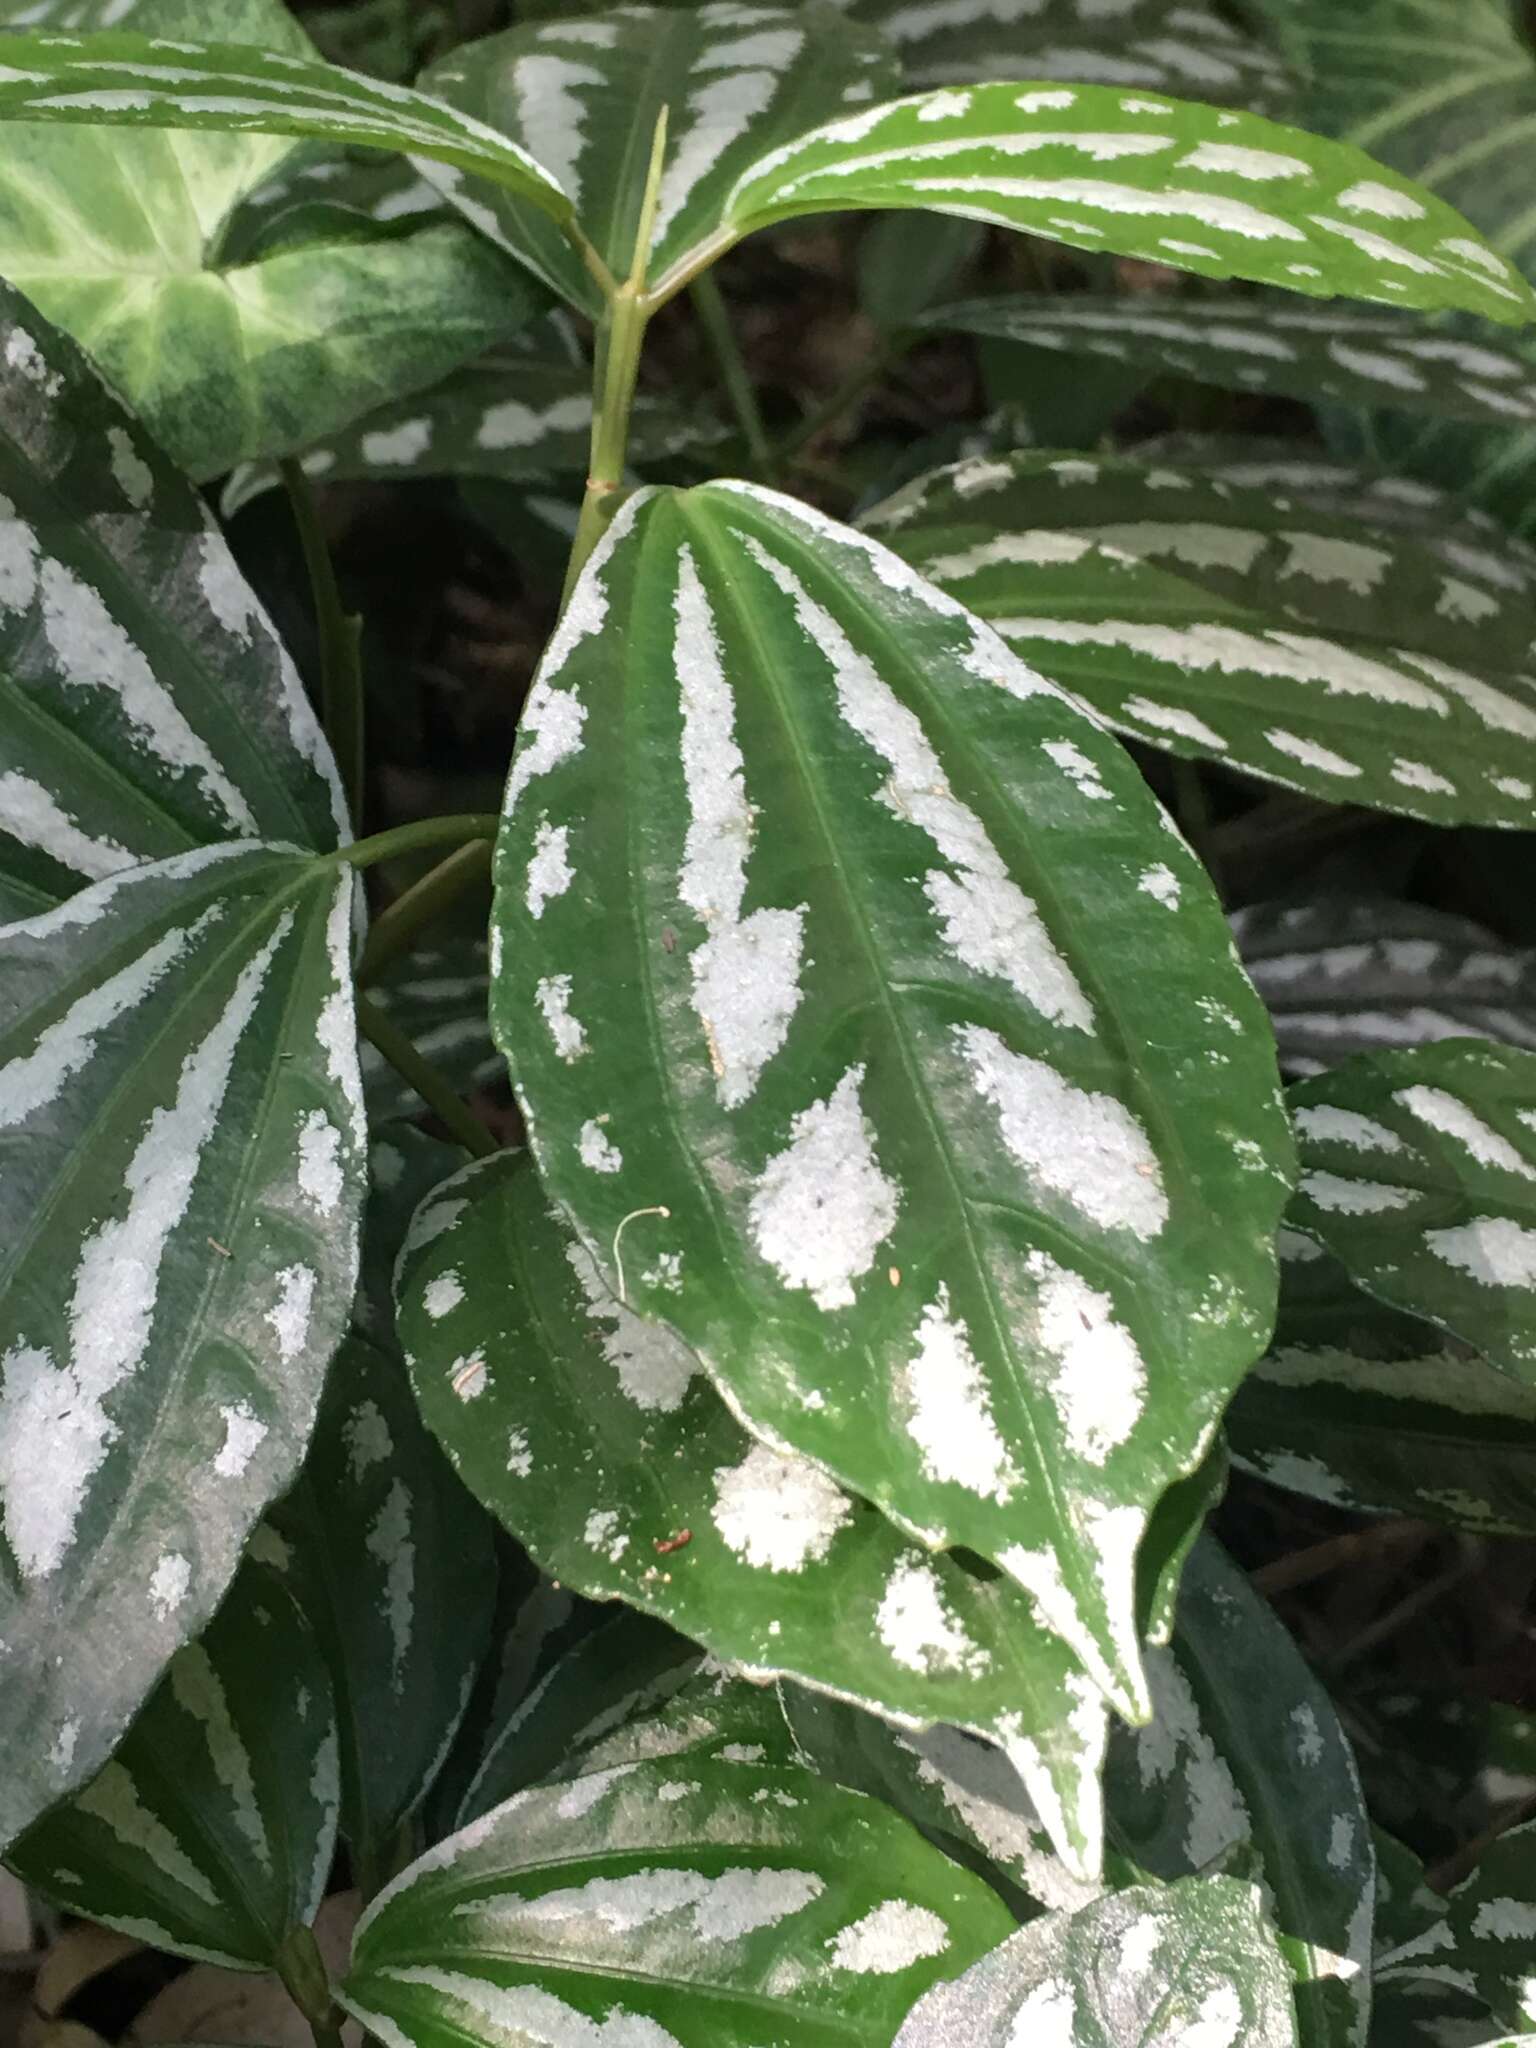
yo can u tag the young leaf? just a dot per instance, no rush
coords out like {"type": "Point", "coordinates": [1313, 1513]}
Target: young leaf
{"type": "Point", "coordinates": [1239, 345]}
{"type": "Point", "coordinates": [394, 1566]}
{"type": "Point", "coordinates": [211, 1831]}
{"type": "Point", "coordinates": [530, 1372]}
{"type": "Point", "coordinates": [1362, 1407]}
{"type": "Point", "coordinates": [1419, 1174]}
{"type": "Point", "coordinates": [178, 1218]}
{"type": "Point", "coordinates": [583, 96]}
{"type": "Point", "coordinates": [1245, 1764]}
{"type": "Point", "coordinates": [691, 1900]}
{"type": "Point", "coordinates": [230, 353]}
{"type": "Point", "coordinates": [947, 1137]}
{"type": "Point", "coordinates": [1142, 1968]}
{"type": "Point", "coordinates": [1237, 626]}
{"type": "Point", "coordinates": [1225, 195]}
{"type": "Point", "coordinates": [147, 706]}
{"type": "Point", "coordinates": [1347, 975]}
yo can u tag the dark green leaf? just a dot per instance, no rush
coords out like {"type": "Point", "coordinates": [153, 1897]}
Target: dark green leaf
{"type": "Point", "coordinates": [178, 1217]}
{"type": "Point", "coordinates": [1483, 1944]}
{"type": "Point", "coordinates": [438, 998]}
{"type": "Point", "coordinates": [954, 1156]}
{"type": "Point", "coordinates": [211, 1831]}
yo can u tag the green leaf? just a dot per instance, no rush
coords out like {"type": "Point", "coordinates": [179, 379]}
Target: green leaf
{"type": "Point", "coordinates": [875, 1031]}
{"type": "Point", "coordinates": [905, 264]}
{"type": "Point", "coordinates": [1347, 975]}
{"type": "Point", "coordinates": [1166, 45]}
{"type": "Point", "coordinates": [404, 1164]}
{"type": "Point", "coordinates": [1483, 1945]}
{"type": "Point", "coordinates": [147, 706]}
{"type": "Point", "coordinates": [1362, 1407]}
{"type": "Point", "coordinates": [1245, 1764]}
{"type": "Point", "coordinates": [1142, 1968]}
{"type": "Point", "coordinates": [438, 997]}
{"type": "Point", "coordinates": [1419, 1174]}
{"type": "Point", "coordinates": [531, 1372]}
{"type": "Point", "coordinates": [1225, 195]}
{"type": "Point", "coordinates": [1240, 345]}
{"type": "Point", "coordinates": [691, 1899]}
{"type": "Point", "coordinates": [394, 1565]}
{"type": "Point", "coordinates": [583, 96]}
{"type": "Point", "coordinates": [211, 1831]}
{"type": "Point", "coordinates": [1303, 646]}
{"type": "Point", "coordinates": [178, 1218]}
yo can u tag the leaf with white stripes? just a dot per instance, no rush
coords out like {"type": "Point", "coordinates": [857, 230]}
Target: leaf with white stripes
{"type": "Point", "coordinates": [211, 1831]}
{"type": "Point", "coordinates": [1245, 1768]}
{"type": "Point", "coordinates": [1483, 1944]}
{"type": "Point", "coordinates": [1419, 1175]}
{"type": "Point", "coordinates": [876, 1031]}
{"type": "Point", "coordinates": [178, 1246]}
{"type": "Point", "coordinates": [1302, 352]}
{"type": "Point", "coordinates": [531, 1372]}
{"type": "Point", "coordinates": [438, 998]}
{"type": "Point", "coordinates": [1345, 975]}
{"type": "Point", "coordinates": [393, 1563]}
{"type": "Point", "coordinates": [1178, 46]}
{"type": "Point", "coordinates": [1148, 1967]}
{"type": "Point", "coordinates": [1172, 181]}
{"type": "Point", "coordinates": [690, 1899]}
{"type": "Point", "coordinates": [147, 706]}
{"type": "Point", "coordinates": [1237, 626]}
{"type": "Point", "coordinates": [583, 96]}
{"type": "Point", "coordinates": [1362, 1407]}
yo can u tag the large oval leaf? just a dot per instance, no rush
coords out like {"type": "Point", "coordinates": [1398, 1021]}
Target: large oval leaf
{"type": "Point", "coordinates": [393, 1563]}
{"type": "Point", "coordinates": [583, 96]}
{"type": "Point", "coordinates": [948, 1136]}
{"type": "Point", "coordinates": [529, 1371]}
{"type": "Point", "coordinates": [1420, 1176]}
{"type": "Point", "coordinates": [1300, 645]}
{"type": "Point", "coordinates": [211, 1831]}
{"type": "Point", "coordinates": [690, 1900]}
{"type": "Point", "coordinates": [1189, 1963]}
{"type": "Point", "coordinates": [1226, 195]}
{"type": "Point", "coordinates": [146, 704]}
{"type": "Point", "coordinates": [182, 1118]}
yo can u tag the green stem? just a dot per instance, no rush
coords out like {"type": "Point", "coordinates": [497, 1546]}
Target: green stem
{"type": "Point", "coordinates": [852, 388]}
{"type": "Point", "coordinates": [709, 304]}
{"type": "Point", "coordinates": [394, 928]}
{"type": "Point", "coordinates": [453, 831]}
{"type": "Point", "coordinates": [341, 642]}
{"type": "Point", "coordinates": [432, 1086]}
{"type": "Point", "coordinates": [303, 1973]}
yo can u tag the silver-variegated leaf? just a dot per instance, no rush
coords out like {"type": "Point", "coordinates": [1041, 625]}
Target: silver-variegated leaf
{"type": "Point", "coordinates": [1245, 1768]}
{"type": "Point", "coordinates": [691, 1899]}
{"type": "Point", "coordinates": [877, 1032]}
{"type": "Point", "coordinates": [1419, 1175]}
{"type": "Point", "coordinates": [211, 1831]}
{"type": "Point", "coordinates": [1483, 1944]}
{"type": "Point", "coordinates": [182, 1113]}
{"type": "Point", "coordinates": [438, 996]}
{"type": "Point", "coordinates": [1343, 975]}
{"type": "Point", "coordinates": [1148, 1967]}
{"type": "Point", "coordinates": [393, 1563]}
{"type": "Point", "coordinates": [583, 96]}
{"type": "Point", "coordinates": [530, 1371]}
{"type": "Point", "coordinates": [1237, 626]}
{"type": "Point", "coordinates": [1362, 1407]}
{"type": "Point", "coordinates": [147, 706]}
{"type": "Point", "coordinates": [225, 335]}
{"type": "Point", "coordinates": [1225, 195]}
{"type": "Point", "coordinates": [1251, 345]}
{"type": "Point", "coordinates": [1177, 46]}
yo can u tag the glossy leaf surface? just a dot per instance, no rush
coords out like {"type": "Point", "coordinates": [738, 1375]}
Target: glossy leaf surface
{"type": "Point", "coordinates": [949, 1141]}
{"type": "Point", "coordinates": [1241, 627]}
{"type": "Point", "coordinates": [147, 706]}
{"type": "Point", "coordinates": [1141, 1968]}
{"type": "Point", "coordinates": [583, 96]}
{"type": "Point", "coordinates": [1419, 1174]}
{"type": "Point", "coordinates": [1225, 195]}
{"type": "Point", "coordinates": [211, 1831]}
{"type": "Point", "coordinates": [530, 1371]}
{"type": "Point", "coordinates": [183, 1122]}
{"type": "Point", "coordinates": [691, 1899]}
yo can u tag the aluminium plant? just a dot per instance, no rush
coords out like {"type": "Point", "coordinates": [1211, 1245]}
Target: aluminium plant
{"type": "Point", "coordinates": [912, 1227]}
